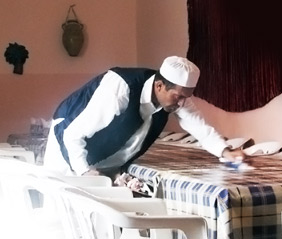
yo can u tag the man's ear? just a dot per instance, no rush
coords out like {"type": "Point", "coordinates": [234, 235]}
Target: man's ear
{"type": "Point", "coordinates": [158, 85]}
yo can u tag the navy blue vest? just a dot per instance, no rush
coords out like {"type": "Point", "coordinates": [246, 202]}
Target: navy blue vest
{"type": "Point", "coordinates": [109, 140]}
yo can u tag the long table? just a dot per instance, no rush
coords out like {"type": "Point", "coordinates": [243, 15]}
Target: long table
{"type": "Point", "coordinates": [236, 204]}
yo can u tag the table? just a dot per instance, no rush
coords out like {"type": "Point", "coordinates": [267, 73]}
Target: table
{"type": "Point", "coordinates": [236, 204]}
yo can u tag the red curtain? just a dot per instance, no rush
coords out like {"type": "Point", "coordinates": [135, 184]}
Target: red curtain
{"type": "Point", "coordinates": [238, 47]}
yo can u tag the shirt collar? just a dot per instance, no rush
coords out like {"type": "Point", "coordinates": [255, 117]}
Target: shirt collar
{"type": "Point", "coordinates": [146, 96]}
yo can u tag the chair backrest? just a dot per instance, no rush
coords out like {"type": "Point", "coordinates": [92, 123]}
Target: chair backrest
{"type": "Point", "coordinates": [87, 181]}
{"type": "Point", "coordinates": [18, 153]}
{"type": "Point", "coordinates": [134, 213]}
{"type": "Point", "coordinates": [265, 148]}
{"type": "Point", "coordinates": [5, 145]}
{"type": "Point", "coordinates": [113, 192]}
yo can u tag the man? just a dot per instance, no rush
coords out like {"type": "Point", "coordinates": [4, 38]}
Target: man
{"type": "Point", "coordinates": [115, 118]}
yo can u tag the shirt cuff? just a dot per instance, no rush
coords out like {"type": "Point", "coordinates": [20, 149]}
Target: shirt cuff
{"type": "Point", "coordinates": [80, 168]}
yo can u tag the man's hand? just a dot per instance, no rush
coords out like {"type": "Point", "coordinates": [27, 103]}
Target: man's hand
{"type": "Point", "coordinates": [91, 172]}
{"type": "Point", "coordinates": [236, 159]}
{"type": "Point", "coordinates": [236, 155]}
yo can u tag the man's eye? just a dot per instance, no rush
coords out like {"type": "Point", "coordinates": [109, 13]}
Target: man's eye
{"type": "Point", "coordinates": [179, 97]}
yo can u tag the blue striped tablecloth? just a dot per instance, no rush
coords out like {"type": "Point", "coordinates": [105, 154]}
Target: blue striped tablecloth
{"type": "Point", "coordinates": [235, 204]}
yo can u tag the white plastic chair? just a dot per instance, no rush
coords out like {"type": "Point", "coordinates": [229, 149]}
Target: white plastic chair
{"type": "Point", "coordinates": [188, 139]}
{"type": "Point", "coordinates": [8, 146]}
{"type": "Point", "coordinates": [131, 214]}
{"type": "Point", "coordinates": [235, 143]}
{"type": "Point", "coordinates": [265, 148]}
{"type": "Point", "coordinates": [18, 153]}
{"type": "Point", "coordinates": [5, 145]}
{"type": "Point", "coordinates": [87, 181]}
{"type": "Point", "coordinates": [30, 200]}
{"type": "Point", "coordinates": [174, 137]}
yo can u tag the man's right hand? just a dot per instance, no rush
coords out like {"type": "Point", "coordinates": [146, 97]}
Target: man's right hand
{"type": "Point", "coordinates": [91, 172]}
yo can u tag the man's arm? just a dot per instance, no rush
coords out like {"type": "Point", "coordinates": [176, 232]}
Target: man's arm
{"type": "Point", "coordinates": [110, 99]}
{"type": "Point", "coordinates": [191, 120]}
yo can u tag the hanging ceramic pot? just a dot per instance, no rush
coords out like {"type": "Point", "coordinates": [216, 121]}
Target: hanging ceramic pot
{"type": "Point", "coordinates": [73, 36]}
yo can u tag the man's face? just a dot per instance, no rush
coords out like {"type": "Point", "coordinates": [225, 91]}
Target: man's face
{"type": "Point", "coordinates": [171, 99]}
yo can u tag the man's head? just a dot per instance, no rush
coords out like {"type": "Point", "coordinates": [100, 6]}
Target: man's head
{"type": "Point", "coordinates": [174, 82]}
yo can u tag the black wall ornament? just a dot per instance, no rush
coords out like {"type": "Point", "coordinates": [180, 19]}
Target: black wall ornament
{"type": "Point", "coordinates": [73, 36]}
{"type": "Point", "coordinates": [16, 55]}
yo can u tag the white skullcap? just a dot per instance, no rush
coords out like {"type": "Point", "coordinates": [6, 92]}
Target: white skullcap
{"type": "Point", "coordinates": [180, 71]}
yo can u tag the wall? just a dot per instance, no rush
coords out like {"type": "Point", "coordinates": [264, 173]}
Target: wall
{"type": "Point", "coordinates": [162, 30]}
{"type": "Point", "coordinates": [110, 28]}
{"type": "Point", "coordinates": [262, 124]}
{"type": "Point", "coordinates": [111, 32]}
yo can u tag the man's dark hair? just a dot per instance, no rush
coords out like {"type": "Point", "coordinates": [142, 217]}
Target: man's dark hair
{"type": "Point", "coordinates": [168, 85]}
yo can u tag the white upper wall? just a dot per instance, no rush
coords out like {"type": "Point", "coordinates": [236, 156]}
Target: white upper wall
{"type": "Point", "coordinates": [124, 32]}
{"type": "Point", "coordinates": [162, 30]}
{"type": "Point", "coordinates": [109, 27]}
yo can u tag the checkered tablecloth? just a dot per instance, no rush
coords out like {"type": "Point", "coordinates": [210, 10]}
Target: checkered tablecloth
{"type": "Point", "coordinates": [236, 204]}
